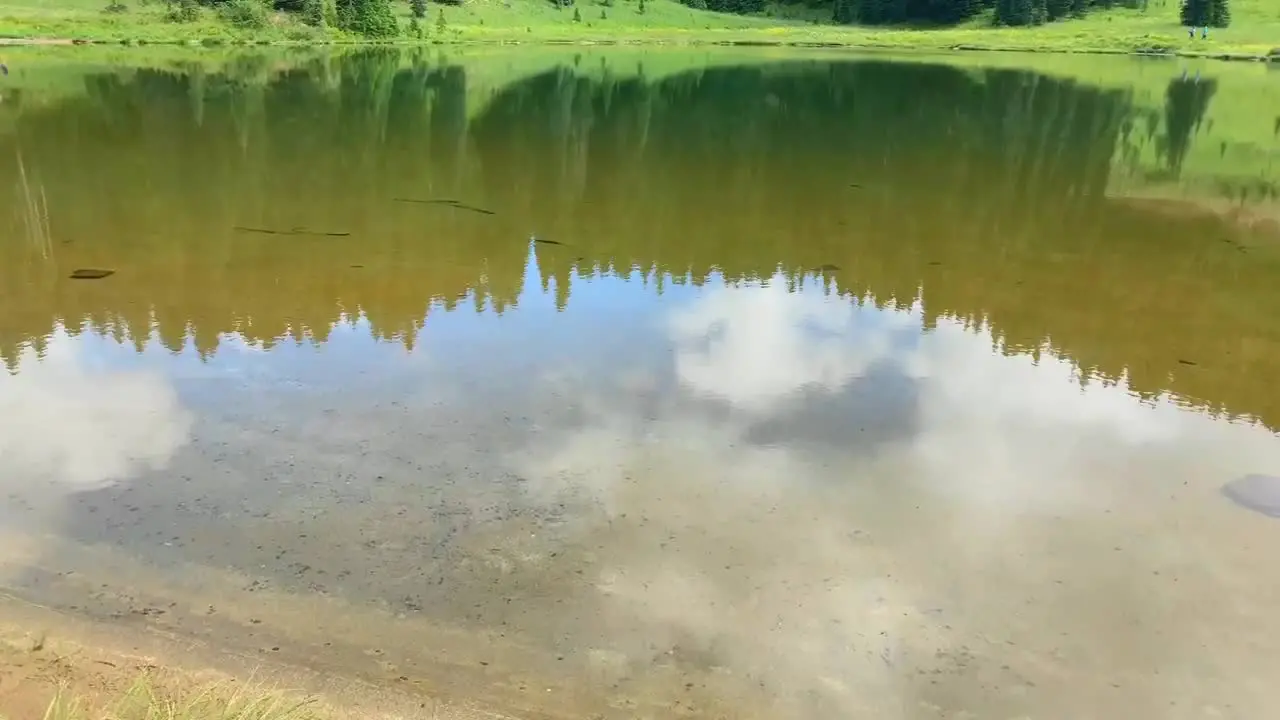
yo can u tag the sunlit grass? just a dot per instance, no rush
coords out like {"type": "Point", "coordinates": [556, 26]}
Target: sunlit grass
{"type": "Point", "coordinates": [136, 21]}
{"type": "Point", "coordinates": [145, 700]}
{"type": "Point", "coordinates": [1255, 29]}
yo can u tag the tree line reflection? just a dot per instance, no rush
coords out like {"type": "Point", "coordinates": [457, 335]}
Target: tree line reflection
{"type": "Point", "coordinates": [982, 193]}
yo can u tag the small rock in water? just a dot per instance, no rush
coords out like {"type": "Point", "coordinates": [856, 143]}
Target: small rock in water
{"type": "Point", "coordinates": [91, 274]}
{"type": "Point", "coordinates": [1260, 493]}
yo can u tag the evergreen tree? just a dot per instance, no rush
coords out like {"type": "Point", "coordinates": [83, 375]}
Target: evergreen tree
{"type": "Point", "coordinates": [370, 18]}
{"type": "Point", "coordinates": [1021, 12]}
{"type": "Point", "coordinates": [1219, 13]}
{"type": "Point", "coordinates": [1195, 13]}
{"type": "Point", "coordinates": [881, 12]}
{"type": "Point", "coordinates": [843, 12]}
{"type": "Point", "coordinates": [183, 11]}
{"type": "Point", "coordinates": [1057, 9]}
{"type": "Point", "coordinates": [418, 8]}
{"type": "Point", "coordinates": [943, 12]}
{"type": "Point", "coordinates": [313, 13]}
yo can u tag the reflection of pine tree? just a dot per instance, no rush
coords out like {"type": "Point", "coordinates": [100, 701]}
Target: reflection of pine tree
{"type": "Point", "coordinates": [1185, 104]}
{"type": "Point", "coordinates": [988, 154]}
{"type": "Point", "coordinates": [334, 143]}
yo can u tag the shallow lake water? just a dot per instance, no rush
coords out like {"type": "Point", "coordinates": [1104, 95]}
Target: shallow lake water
{"type": "Point", "coordinates": [711, 386]}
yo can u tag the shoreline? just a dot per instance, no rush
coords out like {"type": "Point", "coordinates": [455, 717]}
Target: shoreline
{"type": "Point", "coordinates": [667, 40]}
{"type": "Point", "coordinates": [47, 653]}
{"type": "Point", "coordinates": [105, 619]}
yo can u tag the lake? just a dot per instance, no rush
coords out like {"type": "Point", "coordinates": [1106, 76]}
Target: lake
{"type": "Point", "coordinates": [618, 384]}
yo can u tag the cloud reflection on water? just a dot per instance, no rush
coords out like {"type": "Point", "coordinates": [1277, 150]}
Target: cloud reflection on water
{"type": "Point", "coordinates": [841, 578]}
{"type": "Point", "coordinates": [711, 501]}
{"type": "Point", "coordinates": [758, 343]}
{"type": "Point", "coordinates": [66, 422]}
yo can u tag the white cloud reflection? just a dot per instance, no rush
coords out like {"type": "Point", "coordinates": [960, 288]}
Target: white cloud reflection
{"type": "Point", "coordinates": [66, 422]}
{"type": "Point", "coordinates": [974, 564]}
{"type": "Point", "coordinates": [757, 343]}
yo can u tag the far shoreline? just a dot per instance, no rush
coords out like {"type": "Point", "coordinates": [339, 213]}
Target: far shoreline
{"type": "Point", "coordinates": [654, 42]}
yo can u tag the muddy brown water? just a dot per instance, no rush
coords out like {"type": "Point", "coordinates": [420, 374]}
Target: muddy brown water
{"type": "Point", "coordinates": [815, 389]}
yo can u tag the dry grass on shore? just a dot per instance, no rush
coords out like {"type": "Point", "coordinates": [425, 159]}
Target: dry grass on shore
{"type": "Point", "coordinates": [146, 700]}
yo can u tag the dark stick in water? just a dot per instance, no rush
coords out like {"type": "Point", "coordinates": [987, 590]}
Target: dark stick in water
{"type": "Point", "coordinates": [449, 203]}
{"type": "Point", "coordinates": [91, 274]}
{"type": "Point", "coordinates": [264, 231]}
{"type": "Point", "coordinates": [304, 231]}
{"type": "Point", "coordinates": [295, 231]}
{"type": "Point", "coordinates": [441, 201]}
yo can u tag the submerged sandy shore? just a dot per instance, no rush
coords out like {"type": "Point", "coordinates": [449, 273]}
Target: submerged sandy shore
{"type": "Point", "coordinates": [44, 651]}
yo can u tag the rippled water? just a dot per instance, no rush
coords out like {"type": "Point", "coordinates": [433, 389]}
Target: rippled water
{"type": "Point", "coordinates": [729, 388]}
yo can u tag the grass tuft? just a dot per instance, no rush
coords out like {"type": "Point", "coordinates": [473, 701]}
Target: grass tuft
{"type": "Point", "coordinates": [146, 700]}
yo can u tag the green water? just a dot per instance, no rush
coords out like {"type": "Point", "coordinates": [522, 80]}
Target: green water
{"type": "Point", "coordinates": [741, 387]}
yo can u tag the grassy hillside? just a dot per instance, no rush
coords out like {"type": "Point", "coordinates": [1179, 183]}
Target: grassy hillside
{"type": "Point", "coordinates": [1255, 29]}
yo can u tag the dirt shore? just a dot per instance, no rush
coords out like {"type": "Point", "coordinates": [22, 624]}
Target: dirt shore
{"type": "Point", "coordinates": [43, 651]}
